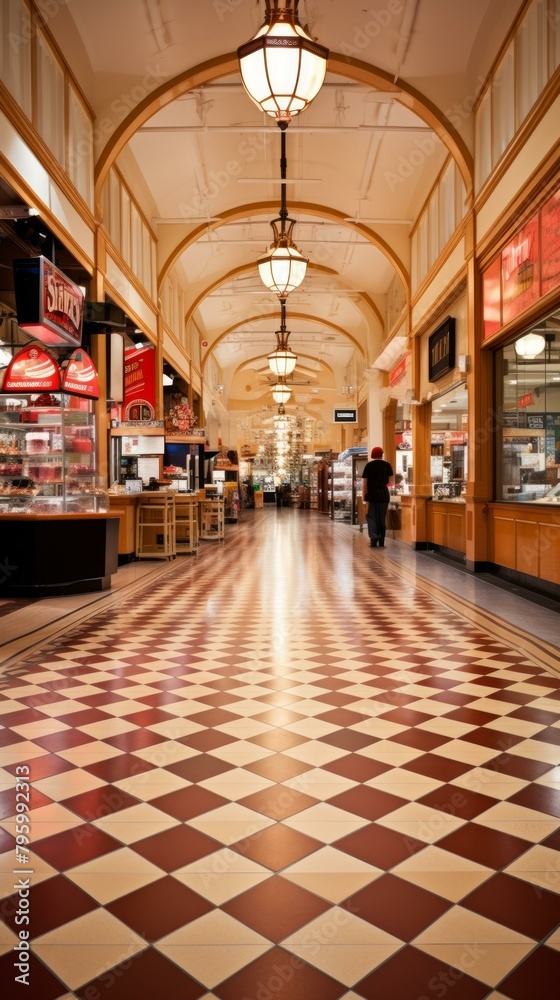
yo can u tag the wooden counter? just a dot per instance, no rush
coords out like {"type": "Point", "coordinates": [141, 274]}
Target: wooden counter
{"type": "Point", "coordinates": [446, 525]}
{"type": "Point", "coordinates": [124, 506]}
{"type": "Point", "coordinates": [525, 538]}
{"type": "Point", "coordinates": [46, 555]}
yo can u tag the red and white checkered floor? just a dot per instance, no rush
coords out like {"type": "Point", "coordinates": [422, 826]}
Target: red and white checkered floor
{"type": "Point", "coordinates": [287, 769]}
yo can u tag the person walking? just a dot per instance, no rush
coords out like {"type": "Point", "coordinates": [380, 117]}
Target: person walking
{"type": "Point", "coordinates": [375, 480]}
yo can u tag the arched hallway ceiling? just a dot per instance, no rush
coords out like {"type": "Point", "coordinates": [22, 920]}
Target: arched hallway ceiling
{"type": "Point", "coordinates": [163, 80]}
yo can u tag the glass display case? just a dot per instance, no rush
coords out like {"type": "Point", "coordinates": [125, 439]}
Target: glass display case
{"type": "Point", "coordinates": [47, 456]}
{"type": "Point", "coordinates": [340, 489]}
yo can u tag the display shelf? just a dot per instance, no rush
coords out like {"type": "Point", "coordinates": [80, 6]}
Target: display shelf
{"type": "Point", "coordinates": [47, 456]}
{"type": "Point", "coordinates": [155, 527]}
{"type": "Point", "coordinates": [212, 520]}
{"type": "Point", "coordinates": [186, 524]}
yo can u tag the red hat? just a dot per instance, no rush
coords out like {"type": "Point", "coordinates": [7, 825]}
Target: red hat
{"type": "Point", "coordinates": [377, 452]}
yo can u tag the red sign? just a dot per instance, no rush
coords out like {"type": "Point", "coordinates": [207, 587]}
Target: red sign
{"type": "Point", "coordinates": [399, 371]}
{"type": "Point", "coordinates": [550, 244]}
{"type": "Point", "coordinates": [456, 438]}
{"type": "Point", "coordinates": [49, 305]}
{"type": "Point", "coordinates": [32, 370]}
{"type": "Point", "coordinates": [525, 400]}
{"type": "Point", "coordinates": [520, 271]}
{"type": "Point", "coordinates": [492, 298]}
{"type": "Point", "coordinates": [140, 383]}
{"type": "Point", "coordinates": [80, 377]}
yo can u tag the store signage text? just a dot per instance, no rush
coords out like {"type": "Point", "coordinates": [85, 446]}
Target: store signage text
{"type": "Point", "coordinates": [399, 371]}
{"type": "Point", "coordinates": [139, 384]}
{"type": "Point", "coordinates": [441, 347]}
{"type": "Point", "coordinates": [80, 376]}
{"type": "Point", "coordinates": [49, 305]}
{"type": "Point", "coordinates": [526, 400]}
{"type": "Point", "coordinates": [345, 417]}
{"type": "Point", "coordinates": [32, 370]}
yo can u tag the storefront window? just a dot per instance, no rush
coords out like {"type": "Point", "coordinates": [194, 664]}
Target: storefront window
{"type": "Point", "coordinates": [449, 443]}
{"type": "Point", "coordinates": [528, 395]}
{"type": "Point", "coordinates": [403, 449]}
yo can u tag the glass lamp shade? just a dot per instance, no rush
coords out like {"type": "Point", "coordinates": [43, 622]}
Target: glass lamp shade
{"type": "Point", "coordinates": [282, 269]}
{"type": "Point", "coordinates": [530, 346]}
{"type": "Point", "coordinates": [282, 68]}
{"type": "Point", "coordinates": [282, 362]}
{"type": "Point", "coordinates": [281, 392]}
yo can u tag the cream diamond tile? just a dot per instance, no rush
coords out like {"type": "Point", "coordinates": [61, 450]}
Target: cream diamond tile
{"type": "Point", "coordinates": [213, 963]}
{"type": "Point", "coordinates": [41, 871]}
{"type": "Point", "coordinates": [7, 939]}
{"type": "Point", "coordinates": [517, 727]}
{"type": "Point", "coordinates": [316, 753]}
{"type": "Point", "coordinates": [236, 784]}
{"type": "Point", "coordinates": [142, 689]}
{"type": "Point", "coordinates": [220, 888]}
{"type": "Point", "coordinates": [551, 779]}
{"type": "Point", "coordinates": [108, 727]}
{"type": "Point", "coordinates": [20, 751]}
{"type": "Point", "coordinates": [151, 784]}
{"type": "Point", "coordinates": [245, 728]}
{"type": "Point", "coordinates": [466, 753]}
{"type": "Point", "coordinates": [446, 727]}
{"type": "Point", "coordinates": [494, 707]}
{"type": "Point", "coordinates": [536, 750]}
{"type": "Point", "coordinates": [46, 821]}
{"type": "Point", "coordinates": [43, 728]}
{"type": "Point", "coordinates": [114, 875]}
{"type": "Point", "coordinates": [231, 823]}
{"type": "Point", "coordinates": [492, 783]}
{"type": "Point", "coordinates": [334, 887]}
{"type": "Point", "coordinates": [380, 728]}
{"type": "Point", "coordinates": [390, 753]}
{"type": "Point", "coordinates": [135, 823]}
{"type": "Point", "coordinates": [313, 728]}
{"type": "Point", "coordinates": [505, 817]}
{"type": "Point", "coordinates": [123, 708]}
{"type": "Point", "coordinates": [67, 784]}
{"type": "Point", "coordinates": [343, 946]}
{"type": "Point", "coordinates": [89, 753]}
{"type": "Point", "coordinates": [76, 963]}
{"type": "Point", "coordinates": [421, 822]}
{"type": "Point", "coordinates": [164, 754]}
{"type": "Point", "coordinates": [175, 728]}
{"type": "Point", "coordinates": [459, 925]}
{"type": "Point", "coordinates": [484, 961]}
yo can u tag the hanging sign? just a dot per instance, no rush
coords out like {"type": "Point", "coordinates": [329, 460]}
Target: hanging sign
{"type": "Point", "coordinates": [139, 384]}
{"type": "Point", "coordinates": [49, 305]}
{"type": "Point", "coordinates": [526, 400]}
{"type": "Point", "coordinates": [345, 417]}
{"type": "Point", "coordinates": [441, 347]}
{"type": "Point", "coordinates": [399, 371]}
{"type": "Point", "coordinates": [32, 370]}
{"type": "Point", "coordinates": [80, 377]}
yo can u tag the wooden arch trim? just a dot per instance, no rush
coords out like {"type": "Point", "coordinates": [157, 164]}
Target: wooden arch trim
{"type": "Point", "coordinates": [259, 317]}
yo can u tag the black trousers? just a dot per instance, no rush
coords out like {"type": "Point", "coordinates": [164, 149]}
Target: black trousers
{"type": "Point", "coordinates": [376, 516]}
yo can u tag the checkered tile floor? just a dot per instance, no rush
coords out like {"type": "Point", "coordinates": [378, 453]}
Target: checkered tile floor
{"type": "Point", "coordinates": [286, 771]}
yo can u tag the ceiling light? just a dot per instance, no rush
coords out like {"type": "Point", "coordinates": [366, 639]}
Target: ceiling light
{"type": "Point", "coordinates": [281, 392]}
{"type": "Point", "coordinates": [283, 267]}
{"type": "Point", "coordinates": [282, 68]}
{"type": "Point", "coordinates": [282, 361]}
{"type": "Point", "coordinates": [530, 346]}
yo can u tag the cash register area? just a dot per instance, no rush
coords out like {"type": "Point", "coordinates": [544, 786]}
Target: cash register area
{"type": "Point", "coordinates": [287, 765]}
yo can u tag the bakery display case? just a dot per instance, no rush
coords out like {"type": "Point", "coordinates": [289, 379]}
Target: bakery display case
{"type": "Point", "coordinates": [340, 489]}
{"type": "Point", "coordinates": [47, 456]}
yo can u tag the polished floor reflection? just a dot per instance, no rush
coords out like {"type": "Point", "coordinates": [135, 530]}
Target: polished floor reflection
{"type": "Point", "coordinates": [290, 766]}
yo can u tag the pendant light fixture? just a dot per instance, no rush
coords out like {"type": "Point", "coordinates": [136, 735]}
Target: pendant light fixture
{"type": "Point", "coordinates": [282, 68]}
{"type": "Point", "coordinates": [280, 391]}
{"type": "Point", "coordinates": [283, 267]}
{"type": "Point", "coordinates": [282, 361]}
{"type": "Point", "coordinates": [530, 346]}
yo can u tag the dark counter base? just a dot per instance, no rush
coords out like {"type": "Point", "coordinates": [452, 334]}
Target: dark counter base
{"type": "Point", "coordinates": [49, 558]}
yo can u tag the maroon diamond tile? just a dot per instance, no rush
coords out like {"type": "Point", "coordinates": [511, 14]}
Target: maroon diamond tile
{"type": "Point", "coordinates": [279, 717]}
{"type": "Point", "coordinates": [276, 847]}
{"type": "Point", "coordinates": [45, 986]}
{"type": "Point", "coordinates": [485, 846]}
{"type": "Point", "coordinates": [278, 740]}
{"type": "Point", "coordinates": [379, 846]}
{"type": "Point", "coordinates": [7, 842]}
{"type": "Point", "coordinates": [207, 739]}
{"type": "Point", "coordinates": [278, 767]}
{"type": "Point", "coordinates": [342, 717]}
{"type": "Point", "coordinates": [99, 802]}
{"type": "Point", "coordinates": [471, 716]}
{"type": "Point", "coordinates": [549, 735]}
{"type": "Point", "coordinates": [433, 766]}
{"type": "Point", "coordinates": [540, 971]}
{"type": "Point", "coordinates": [492, 738]}
{"type": "Point", "coordinates": [159, 908]}
{"type": "Point", "coordinates": [64, 741]}
{"type": "Point", "coordinates": [150, 717]}
{"type": "Point", "coordinates": [199, 768]}
{"type": "Point", "coordinates": [8, 738]}
{"type": "Point", "coordinates": [413, 975]}
{"type": "Point", "coordinates": [117, 768]}
{"type": "Point", "coordinates": [185, 803]}
{"type": "Point", "coordinates": [517, 767]}
{"type": "Point", "coordinates": [278, 802]}
{"type": "Point", "coordinates": [419, 739]}
{"type": "Point", "coordinates": [146, 975]}
{"type": "Point", "coordinates": [527, 909]}
{"type": "Point", "coordinates": [538, 797]}
{"type": "Point", "coordinates": [136, 739]}
{"type": "Point", "coordinates": [176, 847]}
{"type": "Point", "coordinates": [42, 767]}
{"type": "Point", "coordinates": [75, 847]}
{"type": "Point", "coordinates": [396, 906]}
{"type": "Point", "coordinates": [406, 717]}
{"type": "Point", "coordinates": [85, 717]}
{"type": "Point", "coordinates": [213, 717]}
{"type": "Point", "coordinates": [357, 768]}
{"type": "Point", "coordinates": [8, 801]}
{"type": "Point", "coordinates": [368, 802]}
{"type": "Point", "coordinates": [281, 974]}
{"type": "Point", "coordinates": [52, 903]}
{"type": "Point", "coordinates": [348, 739]}
{"type": "Point", "coordinates": [276, 908]}
{"type": "Point", "coordinates": [457, 801]}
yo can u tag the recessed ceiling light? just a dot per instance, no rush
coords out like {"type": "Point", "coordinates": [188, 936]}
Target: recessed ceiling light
{"type": "Point", "coordinates": [513, 381]}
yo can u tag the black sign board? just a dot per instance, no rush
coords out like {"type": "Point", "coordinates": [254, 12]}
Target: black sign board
{"type": "Point", "coordinates": [441, 347]}
{"type": "Point", "coordinates": [49, 305]}
{"type": "Point", "coordinates": [345, 417]}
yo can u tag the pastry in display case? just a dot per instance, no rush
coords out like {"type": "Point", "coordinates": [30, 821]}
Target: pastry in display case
{"type": "Point", "coordinates": [340, 482]}
{"type": "Point", "coordinates": [47, 455]}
